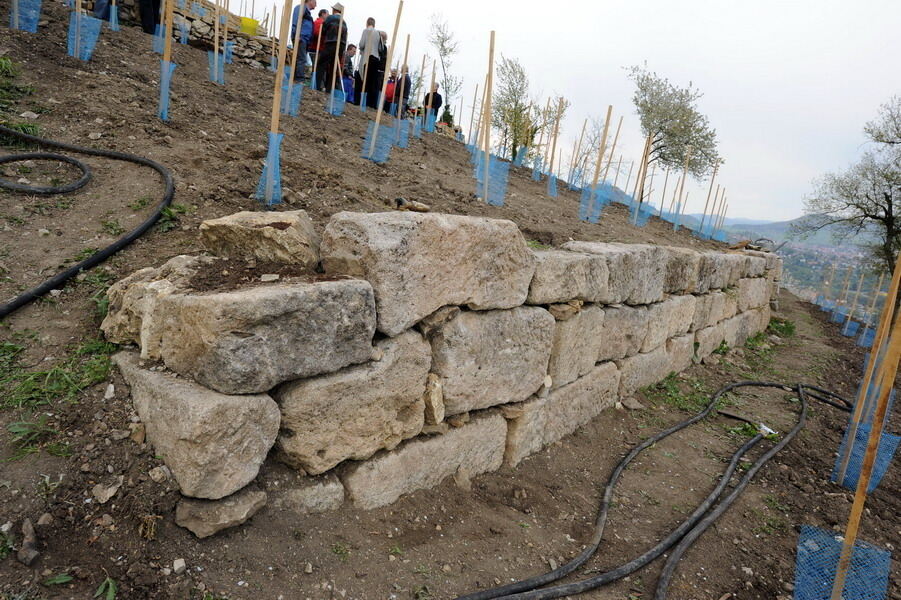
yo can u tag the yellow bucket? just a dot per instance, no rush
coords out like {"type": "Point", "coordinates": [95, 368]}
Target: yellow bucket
{"type": "Point", "coordinates": [249, 26]}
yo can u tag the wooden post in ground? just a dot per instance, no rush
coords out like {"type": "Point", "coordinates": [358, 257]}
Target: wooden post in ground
{"type": "Point", "coordinates": [619, 166]}
{"type": "Point", "coordinates": [576, 150]}
{"type": "Point", "coordinates": [488, 88]}
{"type": "Point", "coordinates": [472, 114]}
{"type": "Point", "coordinates": [845, 286]}
{"type": "Point", "coordinates": [314, 78]}
{"type": "Point", "coordinates": [638, 192]}
{"type": "Point", "coordinates": [272, 28]}
{"type": "Point", "coordinates": [336, 62]}
{"type": "Point", "coordinates": [543, 138]}
{"type": "Point", "coordinates": [716, 166]}
{"type": "Point", "coordinates": [404, 71]}
{"type": "Point", "coordinates": [629, 176]}
{"type": "Point", "coordinates": [167, 27]}
{"type": "Point", "coordinates": [378, 114]}
{"type": "Point", "coordinates": [77, 45]}
{"type": "Point", "coordinates": [856, 299]}
{"type": "Point", "coordinates": [886, 380]}
{"type": "Point", "coordinates": [557, 116]}
{"type": "Point", "coordinates": [722, 220]}
{"type": "Point", "coordinates": [294, 53]}
{"type": "Point", "coordinates": [224, 28]}
{"type": "Point", "coordinates": [216, 40]}
{"type": "Point", "coordinates": [684, 174]}
{"type": "Point", "coordinates": [714, 214]}
{"type": "Point", "coordinates": [877, 291]}
{"type": "Point", "coordinates": [827, 283]}
{"type": "Point", "coordinates": [613, 149]}
{"type": "Point", "coordinates": [663, 193]}
{"type": "Point", "coordinates": [428, 107]}
{"type": "Point", "coordinates": [888, 310]}
{"type": "Point", "coordinates": [602, 148]}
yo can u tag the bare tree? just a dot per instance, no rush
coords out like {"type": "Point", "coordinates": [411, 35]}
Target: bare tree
{"type": "Point", "coordinates": [669, 114]}
{"type": "Point", "coordinates": [862, 199]}
{"type": "Point", "coordinates": [442, 38]}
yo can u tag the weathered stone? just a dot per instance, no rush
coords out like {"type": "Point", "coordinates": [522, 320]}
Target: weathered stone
{"type": "Point", "coordinates": [561, 276]}
{"type": "Point", "coordinates": [668, 319]}
{"type": "Point", "coordinates": [418, 263]}
{"type": "Point", "coordinates": [564, 312]}
{"type": "Point", "coordinates": [422, 463]}
{"type": "Point", "coordinates": [541, 421]}
{"type": "Point", "coordinates": [577, 343]}
{"type": "Point", "coordinates": [492, 357]}
{"type": "Point", "coordinates": [282, 237]}
{"type": "Point", "coordinates": [753, 293]}
{"type": "Point", "coordinates": [248, 341]}
{"type": "Point", "coordinates": [756, 263]}
{"type": "Point", "coordinates": [624, 331]}
{"type": "Point", "coordinates": [214, 444]}
{"type": "Point", "coordinates": [433, 398]}
{"type": "Point", "coordinates": [764, 314]}
{"type": "Point", "coordinates": [309, 495]}
{"type": "Point", "coordinates": [738, 266]}
{"type": "Point", "coordinates": [730, 303]}
{"type": "Point", "coordinates": [681, 350]}
{"type": "Point", "coordinates": [357, 411]}
{"type": "Point", "coordinates": [204, 518]}
{"type": "Point", "coordinates": [636, 272]}
{"type": "Point", "coordinates": [736, 331]}
{"type": "Point", "coordinates": [708, 308]}
{"type": "Point", "coordinates": [682, 268]}
{"type": "Point", "coordinates": [642, 370]}
{"type": "Point", "coordinates": [133, 316]}
{"type": "Point", "coordinates": [714, 272]}
{"type": "Point", "coordinates": [437, 319]}
{"type": "Point", "coordinates": [708, 339]}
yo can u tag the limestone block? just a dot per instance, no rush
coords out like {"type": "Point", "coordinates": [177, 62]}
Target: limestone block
{"type": "Point", "coordinates": [132, 316]}
{"type": "Point", "coordinates": [358, 410]}
{"type": "Point", "coordinates": [577, 343]}
{"type": "Point", "coordinates": [753, 293]}
{"type": "Point", "coordinates": [708, 339]}
{"type": "Point", "coordinates": [624, 331]}
{"type": "Point", "coordinates": [681, 350]}
{"type": "Point", "coordinates": [682, 269]}
{"type": "Point", "coordinates": [492, 357]}
{"type": "Point", "coordinates": [642, 370]}
{"type": "Point", "coordinates": [474, 448]}
{"type": "Point", "coordinates": [714, 272]}
{"type": "Point", "coordinates": [204, 518]}
{"type": "Point", "coordinates": [636, 271]}
{"type": "Point", "coordinates": [418, 263]}
{"type": "Point", "coordinates": [310, 495]}
{"type": "Point", "coordinates": [282, 237]}
{"type": "Point", "coordinates": [668, 319]}
{"type": "Point", "coordinates": [756, 263]}
{"type": "Point", "coordinates": [730, 303]}
{"type": "Point", "coordinates": [736, 330]}
{"type": "Point", "coordinates": [561, 276]}
{"type": "Point", "coordinates": [541, 421]}
{"type": "Point", "coordinates": [250, 340]}
{"type": "Point", "coordinates": [738, 266]}
{"type": "Point", "coordinates": [709, 310]}
{"type": "Point", "coordinates": [433, 398]}
{"type": "Point", "coordinates": [214, 444]}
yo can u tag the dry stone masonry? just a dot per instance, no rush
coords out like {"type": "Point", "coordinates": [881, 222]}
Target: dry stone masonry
{"type": "Point", "coordinates": [427, 346]}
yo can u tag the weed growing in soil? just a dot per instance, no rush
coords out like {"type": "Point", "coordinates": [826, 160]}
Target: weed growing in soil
{"type": "Point", "coordinates": [6, 545]}
{"type": "Point", "coordinates": [672, 392]}
{"type": "Point", "coordinates": [781, 327]}
{"type": "Point", "coordinates": [107, 589]}
{"type": "Point", "coordinates": [536, 245]}
{"type": "Point", "coordinates": [722, 349]}
{"type": "Point", "coordinates": [112, 227]}
{"type": "Point", "coordinates": [140, 203]}
{"type": "Point", "coordinates": [57, 579]}
{"type": "Point", "coordinates": [27, 128]}
{"type": "Point", "coordinates": [26, 436]}
{"type": "Point", "coordinates": [7, 67]}
{"type": "Point", "coordinates": [341, 551]}
{"type": "Point", "coordinates": [169, 217]}
{"type": "Point", "coordinates": [422, 593]}
{"type": "Point", "coordinates": [82, 255]}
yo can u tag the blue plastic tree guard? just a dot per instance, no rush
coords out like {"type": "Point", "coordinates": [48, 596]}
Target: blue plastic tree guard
{"type": "Point", "coordinates": [291, 94]}
{"type": "Point", "coordinates": [850, 328]}
{"type": "Point", "coordinates": [520, 156]}
{"type": "Point", "coordinates": [274, 60]}
{"type": "Point", "coordinates": [159, 38]}
{"type": "Point", "coordinates": [229, 51]}
{"type": "Point", "coordinates": [575, 180]}
{"type": "Point", "coordinates": [114, 17]}
{"type": "Point", "coordinates": [24, 15]}
{"type": "Point", "coordinates": [217, 67]}
{"type": "Point", "coordinates": [380, 152]}
{"type": "Point", "coordinates": [459, 137]}
{"type": "Point", "coordinates": [335, 104]}
{"type": "Point", "coordinates": [839, 314]}
{"type": "Point", "coordinates": [363, 101]}
{"type": "Point", "coordinates": [552, 186]}
{"type": "Point", "coordinates": [817, 560]}
{"type": "Point", "coordinates": [181, 4]}
{"type": "Point", "coordinates": [166, 69]}
{"type": "Point", "coordinates": [269, 190]}
{"type": "Point", "coordinates": [641, 213]}
{"type": "Point", "coordinates": [430, 121]}
{"type": "Point", "coordinates": [417, 129]}
{"type": "Point", "coordinates": [866, 337]}
{"type": "Point", "coordinates": [183, 31]}
{"type": "Point", "coordinates": [498, 177]}
{"type": "Point", "coordinates": [82, 37]}
{"type": "Point", "coordinates": [198, 9]}
{"type": "Point", "coordinates": [536, 168]}
{"type": "Point", "coordinates": [402, 133]}
{"type": "Point", "coordinates": [888, 445]}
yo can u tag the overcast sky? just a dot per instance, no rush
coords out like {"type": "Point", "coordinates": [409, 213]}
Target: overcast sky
{"type": "Point", "coordinates": [788, 85]}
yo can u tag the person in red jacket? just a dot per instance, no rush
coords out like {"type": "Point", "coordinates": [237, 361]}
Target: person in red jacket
{"type": "Point", "coordinates": [315, 41]}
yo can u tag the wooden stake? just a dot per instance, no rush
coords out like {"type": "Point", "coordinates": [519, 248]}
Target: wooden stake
{"type": "Point", "coordinates": [602, 148]}
{"type": "Point", "coordinates": [216, 40]}
{"type": "Point", "coordinates": [619, 166]}
{"type": "Point", "coordinates": [718, 206]}
{"type": "Point", "coordinates": [886, 381]}
{"type": "Point", "coordinates": [629, 176]}
{"type": "Point", "coordinates": [559, 113]}
{"type": "Point", "coordinates": [315, 75]}
{"type": "Point", "coordinates": [472, 115]}
{"type": "Point", "coordinates": [381, 98]}
{"type": "Point", "coordinates": [542, 138]}
{"type": "Point", "coordinates": [638, 192]}
{"type": "Point", "coordinates": [877, 291]}
{"type": "Point", "coordinates": [337, 61]}
{"type": "Point", "coordinates": [404, 70]}
{"type": "Point", "coordinates": [707, 203]}
{"type": "Point", "coordinates": [488, 90]}
{"type": "Point", "coordinates": [613, 148]}
{"type": "Point", "coordinates": [225, 28]}
{"type": "Point", "coordinates": [663, 193]}
{"type": "Point", "coordinates": [428, 110]}
{"type": "Point", "coordinates": [845, 287]}
{"type": "Point", "coordinates": [856, 299]}
{"type": "Point", "coordinates": [167, 27]}
{"type": "Point", "coordinates": [684, 174]}
{"type": "Point", "coordinates": [280, 67]}
{"type": "Point", "coordinates": [576, 149]}
{"type": "Point", "coordinates": [294, 53]}
{"type": "Point", "coordinates": [827, 283]}
{"type": "Point", "coordinates": [77, 44]}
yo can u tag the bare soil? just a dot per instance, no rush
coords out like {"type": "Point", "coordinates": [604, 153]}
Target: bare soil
{"type": "Point", "coordinates": [432, 544]}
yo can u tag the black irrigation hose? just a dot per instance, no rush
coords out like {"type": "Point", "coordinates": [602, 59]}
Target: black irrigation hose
{"type": "Point", "coordinates": [688, 531]}
{"type": "Point", "coordinates": [98, 257]}
{"type": "Point", "coordinates": [46, 190]}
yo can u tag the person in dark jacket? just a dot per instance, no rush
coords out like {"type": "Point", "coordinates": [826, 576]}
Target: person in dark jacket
{"type": "Point", "coordinates": [150, 15]}
{"type": "Point", "coordinates": [433, 100]}
{"type": "Point", "coordinates": [372, 48]}
{"type": "Point", "coordinates": [316, 39]}
{"type": "Point", "coordinates": [331, 49]}
{"type": "Point", "coordinates": [306, 35]}
{"type": "Point", "coordinates": [402, 87]}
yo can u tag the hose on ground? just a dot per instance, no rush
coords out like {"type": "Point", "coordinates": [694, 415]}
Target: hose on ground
{"type": "Point", "coordinates": [95, 259]}
{"type": "Point", "coordinates": [686, 533]}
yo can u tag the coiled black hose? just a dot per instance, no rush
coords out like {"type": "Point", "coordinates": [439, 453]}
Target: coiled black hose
{"type": "Point", "coordinates": [685, 534]}
{"type": "Point", "coordinates": [95, 259]}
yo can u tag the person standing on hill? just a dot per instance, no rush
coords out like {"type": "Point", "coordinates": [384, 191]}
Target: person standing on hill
{"type": "Point", "coordinates": [433, 100]}
{"type": "Point", "coordinates": [403, 86]}
{"type": "Point", "coordinates": [316, 39]}
{"type": "Point", "coordinates": [331, 50]}
{"type": "Point", "coordinates": [370, 51]}
{"type": "Point", "coordinates": [306, 35]}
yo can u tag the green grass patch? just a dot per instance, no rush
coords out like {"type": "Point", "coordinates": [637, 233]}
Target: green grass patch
{"type": "Point", "coordinates": [688, 395]}
{"type": "Point", "coordinates": [112, 227]}
{"type": "Point", "coordinates": [14, 142]}
{"type": "Point", "coordinates": [169, 217]}
{"type": "Point", "coordinates": [536, 245]}
{"type": "Point", "coordinates": [781, 327]}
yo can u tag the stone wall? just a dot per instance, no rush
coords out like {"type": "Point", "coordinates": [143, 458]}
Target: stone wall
{"type": "Point", "coordinates": [426, 346]}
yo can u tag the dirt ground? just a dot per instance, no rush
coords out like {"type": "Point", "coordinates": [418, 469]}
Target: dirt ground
{"type": "Point", "coordinates": [432, 544]}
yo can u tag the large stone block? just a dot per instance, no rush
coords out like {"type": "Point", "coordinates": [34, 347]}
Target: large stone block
{"type": "Point", "coordinates": [753, 293]}
{"type": "Point", "coordinates": [682, 268]}
{"type": "Point", "coordinates": [541, 421]}
{"type": "Point", "coordinates": [736, 330]}
{"type": "Point", "coordinates": [561, 276]}
{"type": "Point", "coordinates": [283, 237]}
{"type": "Point", "coordinates": [668, 319]}
{"type": "Point", "coordinates": [418, 263]}
{"type": "Point", "coordinates": [642, 370]}
{"type": "Point", "coordinates": [708, 310]}
{"type": "Point", "coordinates": [250, 340]}
{"type": "Point", "coordinates": [738, 266]}
{"type": "Point", "coordinates": [422, 463]}
{"type": "Point", "coordinates": [681, 351]}
{"type": "Point", "coordinates": [714, 272]}
{"type": "Point", "coordinates": [708, 339]}
{"type": "Point", "coordinates": [310, 495]}
{"type": "Point", "coordinates": [624, 331]}
{"type": "Point", "coordinates": [492, 357]}
{"type": "Point", "coordinates": [132, 316]}
{"type": "Point", "coordinates": [357, 411]}
{"type": "Point", "coordinates": [204, 518]}
{"type": "Point", "coordinates": [636, 271]}
{"type": "Point", "coordinates": [214, 444]}
{"type": "Point", "coordinates": [757, 263]}
{"type": "Point", "coordinates": [577, 344]}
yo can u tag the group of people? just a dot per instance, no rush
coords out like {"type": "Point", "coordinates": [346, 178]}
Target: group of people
{"type": "Point", "coordinates": [322, 41]}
